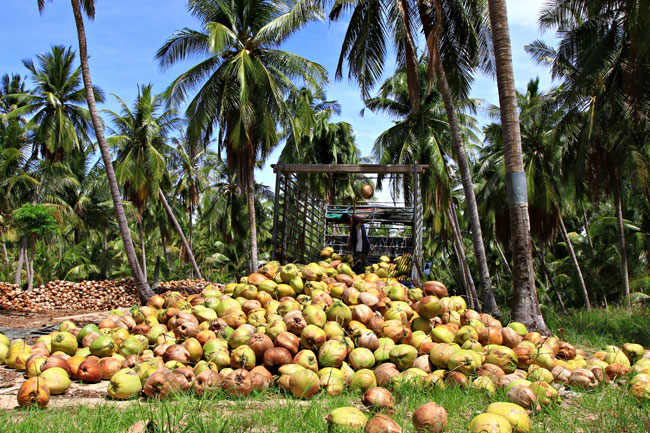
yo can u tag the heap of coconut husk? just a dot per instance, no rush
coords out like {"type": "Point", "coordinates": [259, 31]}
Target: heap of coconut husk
{"type": "Point", "coordinates": [84, 295]}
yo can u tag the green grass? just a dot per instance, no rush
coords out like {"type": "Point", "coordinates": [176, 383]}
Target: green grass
{"type": "Point", "coordinates": [599, 327]}
{"type": "Point", "coordinates": [604, 410]}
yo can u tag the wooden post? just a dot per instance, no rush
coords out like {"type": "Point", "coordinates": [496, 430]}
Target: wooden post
{"type": "Point", "coordinates": [278, 171]}
{"type": "Point", "coordinates": [417, 228]}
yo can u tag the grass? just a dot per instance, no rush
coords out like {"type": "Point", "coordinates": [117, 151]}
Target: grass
{"type": "Point", "coordinates": [600, 327]}
{"type": "Point", "coordinates": [606, 409]}
{"type": "Point", "coordinates": [603, 410]}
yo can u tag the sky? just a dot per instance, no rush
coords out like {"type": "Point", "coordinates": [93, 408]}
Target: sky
{"type": "Point", "coordinates": [126, 34]}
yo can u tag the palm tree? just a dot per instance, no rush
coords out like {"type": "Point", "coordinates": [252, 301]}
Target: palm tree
{"type": "Point", "coordinates": [365, 46]}
{"type": "Point", "coordinates": [187, 159]}
{"type": "Point", "coordinates": [525, 305]}
{"type": "Point", "coordinates": [140, 137]}
{"type": "Point", "coordinates": [420, 135]}
{"type": "Point", "coordinates": [88, 7]}
{"type": "Point", "coordinates": [10, 87]}
{"type": "Point", "coordinates": [242, 81]}
{"type": "Point", "coordinates": [59, 122]}
{"type": "Point", "coordinates": [312, 138]}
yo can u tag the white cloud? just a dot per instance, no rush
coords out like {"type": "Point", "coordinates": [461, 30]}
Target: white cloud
{"type": "Point", "coordinates": [524, 13]}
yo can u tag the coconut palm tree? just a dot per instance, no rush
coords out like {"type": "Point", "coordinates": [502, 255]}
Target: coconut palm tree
{"type": "Point", "coordinates": [312, 138]}
{"type": "Point", "coordinates": [242, 81]}
{"type": "Point", "coordinates": [80, 7]}
{"type": "Point", "coordinates": [365, 47]}
{"type": "Point", "coordinates": [525, 305]}
{"type": "Point", "coordinates": [140, 137]}
{"type": "Point", "coordinates": [60, 124]}
{"type": "Point", "coordinates": [186, 159]}
{"type": "Point", "coordinates": [421, 135]}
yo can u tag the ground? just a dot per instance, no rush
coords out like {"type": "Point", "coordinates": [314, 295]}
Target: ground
{"type": "Point", "coordinates": [84, 408]}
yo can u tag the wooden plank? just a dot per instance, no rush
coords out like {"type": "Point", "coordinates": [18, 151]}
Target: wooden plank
{"type": "Point", "coordinates": [348, 168]}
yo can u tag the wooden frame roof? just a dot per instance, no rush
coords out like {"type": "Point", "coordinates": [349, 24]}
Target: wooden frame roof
{"type": "Point", "coordinates": [348, 168]}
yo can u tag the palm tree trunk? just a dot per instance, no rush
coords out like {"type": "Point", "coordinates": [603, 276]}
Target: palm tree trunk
{"type": "Point", "coordinates": [548, 277]}
{"type": "Point", "coordinates": [433, 38]}
{"type": "Point", "coordinates": [622, 243]}
{"type": "Point", "coordinates": [525, 305]}
{"type": "Point", "coordinates": [179, 230]}
{"type": "Point", "coordinates": [503, 257]}
{"type": "Point", "coordinates": [21, 258]}
{"type": "Point", "coordinates": [4, 252]}
{"type": "Point", "coordinates": [105, 239]}
{"type": "Point", "coordinates": [574, 261]}
{"type": "Point", "coordinates": [584, 214]}
{"type": "Point", "coordinates": [143, 251]}
{"type": "Point", "coordinates": [462, 258]}
{"type": "Point", "coordinates": [190, 221]}
{"type": "Point", "coordinates": [411, 57]}
{"type": "Point", "coordinates": [30, 264]}
{"type": "Point", "coordinates": [142, 287]}
{"type": "Point", "coordinates": [163, 241]}
{"type": "Point", "coordinates": [250, 192]}
{"type": "Point", "coordinates": [28, 270]}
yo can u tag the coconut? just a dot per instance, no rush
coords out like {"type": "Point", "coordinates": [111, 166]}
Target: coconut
{"type": "Point", "coordinates": [56, 379]}
{"type": "Point", "coordinates": [382, 424]}
{"type": "Point", "coordinates": [206, 382]}
{"type": "Point", "coordinates": [378, 398]}
{"type": "Point", "coordinates": [33, 392]}
{"type": "Point", "coordinates": [515, 414]}
{"type": "Point", "coordinates": [238, 383]}
{"type": "Point", "coordinates": [184, 377]}
{"type": "Point", "coordinates": [161, 384]}
{"type": "Point", "coordinates": [523, 396]}
{"type": "Point", "coordinates": [489, 423]}
{"type": "Point", "coordinates": [304, 384]}
{"type": "Point", "coordinates": [430, 417]}
{"type": "Point", "coordinates": [349, 418]}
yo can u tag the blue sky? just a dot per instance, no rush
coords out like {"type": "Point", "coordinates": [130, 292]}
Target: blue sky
{"type": "Point", "coordinates": [126, 34]}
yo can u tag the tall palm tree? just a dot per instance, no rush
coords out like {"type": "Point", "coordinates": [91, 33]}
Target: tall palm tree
{"type": "Point", "coordinates": [365, 47]}
{"type": "Point", "coordinates": [420, 135]}
{"type": "Point", "coordinates": [525, 304]}
{"type": "Point", "coordinates": [140, 137]}
{"type": "Point", "coordinates": [79, 7]}
{"type": "Point", "coordinates": [242, 81]}
{"type": "Point", "coordinates": [187, 159]}
{"type": "Point", "coordinates": [60, 124]}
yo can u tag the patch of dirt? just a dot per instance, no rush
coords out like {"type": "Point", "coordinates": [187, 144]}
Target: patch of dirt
{"type": "Point", "coordinates": [20, 319]}
{"type": "Point", "coordinates": [9, 378]}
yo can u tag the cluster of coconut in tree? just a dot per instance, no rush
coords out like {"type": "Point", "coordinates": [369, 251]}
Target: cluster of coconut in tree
{"type": "Point", "coordinates": [312, 329]}
{"type": "Point", "coordinates": [85, 295]}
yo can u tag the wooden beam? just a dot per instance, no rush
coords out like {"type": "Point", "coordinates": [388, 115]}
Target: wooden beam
{"type": "Point", "coordinates": [348, 168]}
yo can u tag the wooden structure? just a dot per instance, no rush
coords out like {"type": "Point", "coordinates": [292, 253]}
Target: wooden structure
{"type": "Point", "coordinates": [303, 225]}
